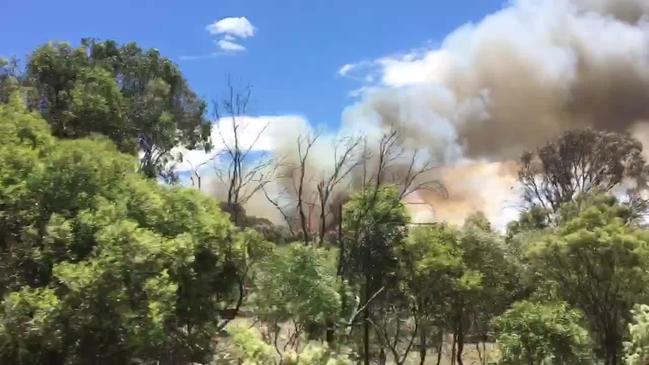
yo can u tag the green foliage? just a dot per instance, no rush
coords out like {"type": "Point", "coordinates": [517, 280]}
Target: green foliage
{"type": "Point", "coordinates": [597, 263]}
{"type": "Point", "coordinates": [582, 161]}
{"type": "Point", "coordinates": [375, 220]}
{"type": "Point", "coordinates": [495, 285]}
{"type": "Point", "coordinates": [542, 334]}
{"type": "Point", "coordinates": [637, 348]}
{"type": "Point", "coordinates": [29, 330]}
{"type": "Point", "coordinates": [247, 347]}
{"type": "Point", "coordinates": [432, 268]}
{"type": "Point", "coordinates": [97, 106]}
{"type": "Point", "coordinates": [9, 78]}
{"type": "Point", "coordinates": [433, 257]}
{"type": "Point", "coordinates": [297, 283]}
{"type": "Point", "coordinates": [317, 354]}
{"type": "Point", "coordinates": [136, 97]}
{"type": "Point", "coordinates": [99, 265]}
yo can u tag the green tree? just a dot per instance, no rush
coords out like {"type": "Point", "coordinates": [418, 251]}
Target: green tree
{"type": "Point", "coordinates": [582, 162]}
{"type": "Point", "coordinates": [97, 106]}
{"type": "Point", "coordinates": [10, 78]}
{"type": "Point", "coordinates": [99, 265]}
{"type": "Point", "coordinates": [374, 220]}
{"type": "Point", "coordinates": [246, 346]}
{"type": "Point", "coordinates": [597, 262]}
{"type": "Point", "coordinates": [636, 350]}
{"type": "Point", "coordinates": [542, 334]}
{"type": "Point", "coordinates": [296, 293]}
{"type": "Point", "coordinates": [136, 97]}
{"type": "Point", "coordinates": [431, 269]}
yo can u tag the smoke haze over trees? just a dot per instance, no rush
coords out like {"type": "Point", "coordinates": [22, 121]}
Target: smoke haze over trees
{"type": "Point", "coordinates": [484, 201]}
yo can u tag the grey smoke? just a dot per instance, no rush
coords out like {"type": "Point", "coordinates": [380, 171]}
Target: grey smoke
{"type": "Point", "coordinates": [518, 77]}
{"type": "Point", "coordinates": [506, 84]}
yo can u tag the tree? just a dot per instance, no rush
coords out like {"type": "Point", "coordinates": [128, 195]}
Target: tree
{"type": "Point", "coordinates": [374, 220]}
{"type": "Point", "coordinates": [97, 106]}
{"type": "Point", "coordinates": [344, 162]}
{"type": "Point", "coordinates": [241, 173]}
{"type": "Point", "coordinates": [431, 267]}
{"type": "Point", "coordinates": [78, 92]}
{"type": "Point", "coordinates": [10, 78]}
{"type": "Point", "coordinates": [542, 333]}
{"type": "Point", "coordinates": [581, 162]}
{"type": "Point", "coordinates": [491, 284]}
{"type": "Point", "coordinates": [636, 350]}
{"type": "Point", "coordinates": [292, 202]}
{"type": "Point", "coordinates": [247, 347]}
{"type": "Point", "coordinates": [99, 265]}
{"type": "Point", "coordinates": [597, 261]}
{"type": "Point", "coordinates": [296, 293]}
{"type": "Point", "coordinates": [304, 145]}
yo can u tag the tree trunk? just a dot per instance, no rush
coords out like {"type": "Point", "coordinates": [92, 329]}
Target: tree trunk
{"type": "Point", "coordinates": [323, 221]}
{"type": "Point", "coordinates": [329, 335]}
{"type": "Point", "coordinates": [366, 327]}
{"type": "Point", "coordinates": [300, 205]}
{"type": "Point", "coordinates": [611, 354]}
{"type": "Point", "coordinates": [453, 348]}
{"type": "Point", "coordinates": [382, 357]}
{"type": "Point", "coordinates": [484, 350]}
{"type": "Point", "coordinates": [460, 340]}
{"type": "Point", "coordinates": [612, 344]}
{"type": "Point", "coordinates": [422, 346]}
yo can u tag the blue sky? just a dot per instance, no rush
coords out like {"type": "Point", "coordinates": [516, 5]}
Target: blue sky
{"type": "Point", "coordinates": [291, 61]}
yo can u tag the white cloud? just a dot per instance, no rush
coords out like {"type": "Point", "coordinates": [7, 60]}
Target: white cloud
{"type": "Point", "coordinates": [345, 69]}
{"type": "Point", "coordinates": [230, 46]}
{"type": "Point", "coordinates": [231, 30]}
{"type": "Point", "coordinates": [233, 26]}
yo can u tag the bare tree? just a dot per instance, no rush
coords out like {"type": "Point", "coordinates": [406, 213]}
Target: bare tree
{"type": "Point", "coordinates": [304, 145]}
{"type": "Point", "coordinates": [293, 205]}
{"type": "Point", "coordinates": [344, 163]}
{"type": "Point", "coordinates": [389, 150]}
{"type": "Point", "coordinates": [280, 206]}
{"type": "Point", "coordinates": [243, 174]}
{"type": "Point", "coordinates": [409, 169]}
{"type": "Point", "coordinates": [415, 179]}
{"type": "Point", "coordinates": [196, 177]}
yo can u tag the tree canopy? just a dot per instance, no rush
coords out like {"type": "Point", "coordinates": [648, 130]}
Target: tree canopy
{"type": "Point", "coordinates": [542, 333]}
{"type": "Point", "coordinates": [579, 162]}
{"type": "Point", "coordinates": [598, 263]}
{"type": "Point", "coordinates": [137, 98]}
{"type": "Point", "coordinates": [98, 264]}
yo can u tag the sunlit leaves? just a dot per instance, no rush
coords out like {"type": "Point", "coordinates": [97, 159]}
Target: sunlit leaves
{"type": "Point", "coordinates": [542, 333]}
{"type": "Point", "coordinates": [122, 268]}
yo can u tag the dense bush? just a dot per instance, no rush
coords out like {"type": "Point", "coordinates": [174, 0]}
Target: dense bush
{"type": "Point", "coordinates": [99, 265]}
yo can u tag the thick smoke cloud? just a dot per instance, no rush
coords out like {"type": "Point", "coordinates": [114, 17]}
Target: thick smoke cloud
{"type": "Point", "coordinates": [495, 88]}
{"type": "Point", "coordinates": [520, 76]}
{"type": "Point", "coordinates": [509, 83]}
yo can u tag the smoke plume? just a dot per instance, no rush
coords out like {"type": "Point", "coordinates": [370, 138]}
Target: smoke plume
{"type": "Point", "coordinates": [508, 83]}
